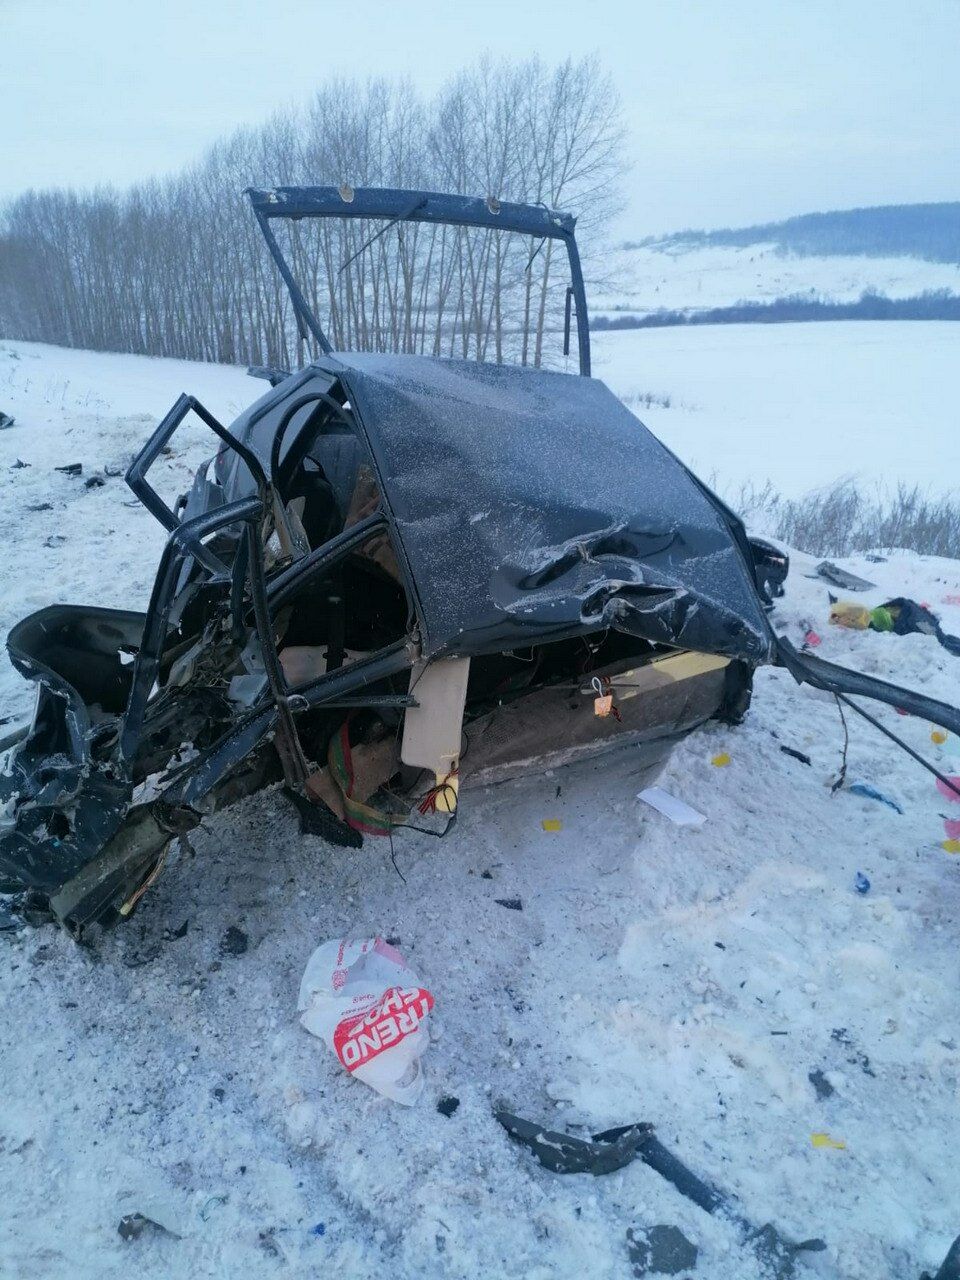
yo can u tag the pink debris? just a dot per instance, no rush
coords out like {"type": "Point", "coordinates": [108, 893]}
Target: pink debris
{"type": "Point", "coordinates": [946, 791]}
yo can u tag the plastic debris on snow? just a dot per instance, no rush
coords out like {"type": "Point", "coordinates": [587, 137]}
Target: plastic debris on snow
{"type": "Point", "coordinates": [870, 792]}
{"type": "Point", "coordinates": [366, 1003]}
{"type": "Point", "coordinates": [823, 1141]}
{"type": "Point", "coordinates": [861, 883]}
{"type": "Point", "coordinates": [721, 760]}
{"type": "Point", "coordinates": [949, 791]}
{"type": "Point", "coordinates": [552, 824]}
{"type": "Point", "coordinates": [679, 812]}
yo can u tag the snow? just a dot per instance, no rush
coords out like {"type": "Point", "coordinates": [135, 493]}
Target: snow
{"type": "Point", "coordinates": [692, 977]}
{"type": "Point", "coordinates": [797, 404]}
{"type": "Point", "coordinates": [694, 278]}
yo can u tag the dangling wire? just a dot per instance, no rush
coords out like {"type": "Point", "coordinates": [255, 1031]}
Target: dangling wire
{"type": "Point", "coordinates": [841, 776]}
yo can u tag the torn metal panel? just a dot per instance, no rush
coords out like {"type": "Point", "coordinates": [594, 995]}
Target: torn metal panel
{"type": "Point", "coordinates": [530, 503]}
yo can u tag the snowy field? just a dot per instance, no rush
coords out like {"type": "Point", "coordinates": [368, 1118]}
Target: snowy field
{"type": "Point", "coordinates": [685, 277]}
{"type": "Point", "coordinates": [693, 978]}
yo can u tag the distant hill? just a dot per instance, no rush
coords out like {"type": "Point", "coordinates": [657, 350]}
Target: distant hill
{"type": "Point", "coordinates": [929, 231]}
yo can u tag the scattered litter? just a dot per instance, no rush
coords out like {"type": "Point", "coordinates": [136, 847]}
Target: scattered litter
{"type": "Point", "coordinates": [870, 792]}
{"type": "Point", "coordinates": [900, 616]}
{"type": "Point", "coordinates": [133, 1225]}
{"type": "Point", "coordinates": [821, 1084]}
{"type": "Point", "coordinates": [319, 1229]}
{"type": "Point", "coordinates": [94, 482]}
{"type": "Point", "coordinates": [512, 904]}
{"type": "Point", "coordinates": [613, 1149]}
{"type": "Point", "coordinates": [234, 942]}
{"type": "Point", "coordinates": [861, 883]}
{"type": "Point", "coordinates": [949, 791]}
{"type": "Point", "coordinates": [486, 875]}
{"type": "Point", "coordinates": [951, 827]}
{"type": "Point", "coordinates": [660, 1250]}
{"type": "Point", "coordinates": [874, 558]}
{"type": "Point", "coordinates": [840, 577]}
{"type": "Point", "coordinates": [823, 1140]}
{"type": "Point", "coordinates": [448, 1105]}
{"type": "Point", "coordinates": [209, 1205]}
{"type": "Point", "coordinates": [71, 469]}
{"type": "Point", "coordinates": [938, 736]}
{"type": "Point", "coordinates": [552, 824]}
{"type": "Point", "coordinates": [39, 506]}
{"type": "Point", "coordinates": [721, 760]}
{"type": "Point", "coordinates": [6, 420]}
{"type": "Point", "coordinates": [950, 846]}
{"type": "Point", "coordinates": [55, 540]}
{"type": "Point", "coordinates": [812, 639]}
{"type": "Point", "coordinates": [366, 1003]}
{"type": "Point", "coordinates": [797, 755]}
{"type": "Point", "coordinates": [678, 811]}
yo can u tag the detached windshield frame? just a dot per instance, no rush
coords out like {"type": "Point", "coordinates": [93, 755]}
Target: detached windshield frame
{"type": "Point", "coordinates": [396, 206]}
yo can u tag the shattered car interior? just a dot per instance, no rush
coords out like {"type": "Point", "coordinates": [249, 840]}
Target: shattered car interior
{"type": "Point", "coordinates": [401, 575]}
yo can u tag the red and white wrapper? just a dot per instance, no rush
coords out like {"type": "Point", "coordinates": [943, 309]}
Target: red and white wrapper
{"type": "Point", "coordinates": [365, 1001]}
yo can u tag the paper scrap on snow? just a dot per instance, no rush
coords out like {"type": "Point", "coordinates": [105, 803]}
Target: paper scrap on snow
{"type": "Point", "coordinates": [678, 811]}
{"type": "Point", "coordinates": [721, 760]}
{"type": "Point", "coordinates": [552, 824]}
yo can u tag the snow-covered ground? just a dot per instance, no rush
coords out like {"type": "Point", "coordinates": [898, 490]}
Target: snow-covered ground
{"type": "Point", "coordinates": [685, 277]}
{"type": "Point", "coordinates": [798, 404]}
{"type": "Point", "coordinates": [694, 978]}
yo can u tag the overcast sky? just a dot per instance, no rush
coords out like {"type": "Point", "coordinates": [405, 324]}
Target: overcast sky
{"type": "Point", "coordinates": [738, 111]}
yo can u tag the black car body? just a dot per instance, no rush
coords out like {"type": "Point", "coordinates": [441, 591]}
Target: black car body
{"type": "Point", "coordinates": [400, 574]}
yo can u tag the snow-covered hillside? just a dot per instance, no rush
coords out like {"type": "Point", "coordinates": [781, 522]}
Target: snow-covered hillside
{"type": "Point", "coordinates": [683, 277]}
{"type": "Point", "coordinates": [694, 978]}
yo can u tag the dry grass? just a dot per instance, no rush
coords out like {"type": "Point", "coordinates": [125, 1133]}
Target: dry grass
{"type": "Point", "coordinates": [844, 518]}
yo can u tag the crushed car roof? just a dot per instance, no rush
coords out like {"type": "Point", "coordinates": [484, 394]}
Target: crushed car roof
{"type": "Point", "coordinates": [532, 504]}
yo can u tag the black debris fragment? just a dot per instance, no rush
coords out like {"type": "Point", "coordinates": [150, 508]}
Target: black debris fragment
{"type": "Point", "coordinates": [949, 1268]}
{"type": "Point", "coordinates": [19, 465]}
{"type": "Point", "coordinates": [822, 1085]}
{"type": "Point", "coordinates": [797, 755]}
{"type": "Point", "coordinates": [94, 482]}
{"type": "Point", "coordinates": [614, 1148]}
{"type": "Point", "coordinates": [512, 904]}
{"type": "Point", "coordinates": [133, 1225]}
{"type": "Point", "coordinates": [840, 578]}
{"type": "Point", "coordinates": [6, 420]}
{"type": "Point", "coordinates": [178, 933]}
{"type": "Point", "coordinates": [448, 1105]}
{"type": "Point", "coordinates": [486, 875]}
{"type": "Point", "coordinates": [563, 1153]}
{"type": "Point", "coordinates": [39, 506]}
{"type": "Point", "coordinates": [71, 469]}
{"type": "Point", "coordinates": [318, 820]}
{"type": "Point", "coordinates": [234, 942]}
{"type": "Point", "coordinates": [661, 1250]}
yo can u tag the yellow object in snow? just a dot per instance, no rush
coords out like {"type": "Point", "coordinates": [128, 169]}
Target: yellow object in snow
{"type": "Point", "coordinates": [951, 846]}
{"type": "Point", "coordinates": [824, 1140]}
{"type": "Point", "coordinates": [721, 760]}
{"type": "Point", "coordinates": [552, 824]}
{"type": "Point", "coordinates": [938, 736]}
{"type": "Point", "coordinates": [847, 613]}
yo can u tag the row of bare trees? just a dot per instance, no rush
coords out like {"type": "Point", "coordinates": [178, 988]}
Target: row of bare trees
{"type": "Point", "coordinates": [177, 267]}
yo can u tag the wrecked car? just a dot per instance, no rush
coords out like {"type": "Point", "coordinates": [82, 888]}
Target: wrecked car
{"type": "Point", "coordinates": [400, 575]}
